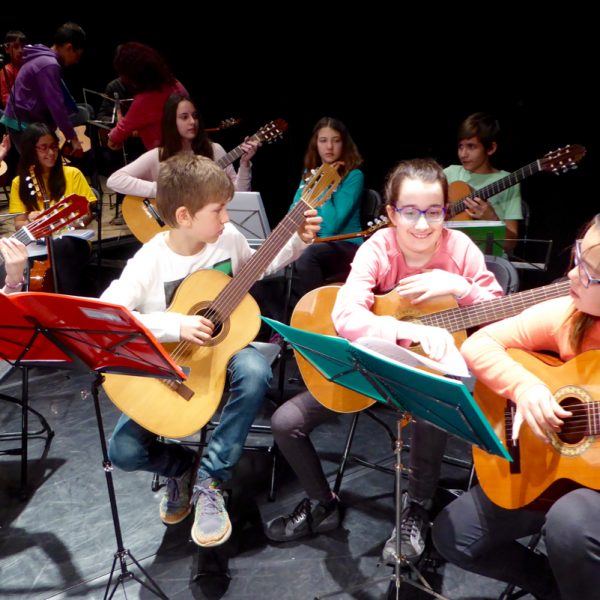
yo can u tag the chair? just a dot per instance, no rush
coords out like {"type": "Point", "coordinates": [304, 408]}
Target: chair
{"type": "Point", "coordinates": [504, 271]}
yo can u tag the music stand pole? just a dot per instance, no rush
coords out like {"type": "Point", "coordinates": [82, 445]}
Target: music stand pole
{"type": "Point", "coordinates": [122, 553]}
{"type": "Point", "coordinates": [399, 559]}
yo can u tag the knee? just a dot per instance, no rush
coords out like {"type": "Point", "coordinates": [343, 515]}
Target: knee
{"type": "Point", "coordinates": [125, 453]}
{"type": "Point", "coordinates": [252, 370]}
{"type": "Point", "coordinates": [284, 423]}
{"type": "Point", "coordinates": [567, 527]}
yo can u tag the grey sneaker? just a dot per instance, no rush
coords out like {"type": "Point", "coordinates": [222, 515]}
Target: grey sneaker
{"type": "Point", "coordinates": [413, 533]}
{"type": "Point", "coordinates": [175, 504]}
{"type": "Point", "coordinates": [212, 526]}
{"type": "Point", "coordinates": [304, 520]}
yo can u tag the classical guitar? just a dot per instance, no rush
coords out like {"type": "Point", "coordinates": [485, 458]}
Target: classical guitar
{"type": "Point", "coordinates": [53, 219]}
{"type": "Point", "coordinates": [141, 214]}
{"type": "Point", "coordinates": [558, 161]}
{"type": "Point", "coordinates": [313, 313]}
{"type": "Point", "coordinates": [3, 168]}
{"type": "Point", "coordinates": [543, 472]}
{"type": "Point", "coordinates": [178, 410]}
{"type": "Point", "coordinates": [380, 223]}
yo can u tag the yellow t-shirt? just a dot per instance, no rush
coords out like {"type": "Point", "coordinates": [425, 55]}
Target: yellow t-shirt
{"type": "Point", "coordinates": [75, 184]}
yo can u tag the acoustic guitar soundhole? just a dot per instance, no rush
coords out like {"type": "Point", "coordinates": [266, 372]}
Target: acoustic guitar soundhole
{"type": "Point", "coordinates": [221, 328]}
{"type": "Point", "coordinates": [575, 427]}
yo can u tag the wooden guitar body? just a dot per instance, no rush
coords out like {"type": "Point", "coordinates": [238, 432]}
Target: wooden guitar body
{"type": "Point", "coordinates": [153, 403]}
{"type": "Point", "coordinates": [571, 459]}
{"type": "Point", "coordinates": [313, 313]}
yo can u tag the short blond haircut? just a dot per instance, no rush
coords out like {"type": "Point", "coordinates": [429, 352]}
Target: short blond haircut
{"type": "Point", "coordinates": [189, 180]}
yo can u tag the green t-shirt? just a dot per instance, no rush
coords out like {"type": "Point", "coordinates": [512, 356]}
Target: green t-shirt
{"type": "Point", "coordinates": [507, 204]}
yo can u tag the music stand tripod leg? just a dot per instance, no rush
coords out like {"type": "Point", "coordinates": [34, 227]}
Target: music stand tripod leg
{"type": "Point", "coordinates": [121, 553]}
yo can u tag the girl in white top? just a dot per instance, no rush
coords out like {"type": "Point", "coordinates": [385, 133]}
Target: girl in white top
{"type": "Point", "coordinates": [181, 131]}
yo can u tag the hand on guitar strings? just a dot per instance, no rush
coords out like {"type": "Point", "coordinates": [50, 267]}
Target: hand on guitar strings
{"type": "Point", "coordinates": [15, 257]}
{"type": "Point", "coordinates": [195, 329]}
{"type": "Point", "coordinates": [431, 284]}
{"type": "Point", "coordinates": [538, 408]}
{"type": "Point", "coordinates": [309, 229]}
{"type": "Point", "coordinates": [249, 148]}
{"type": "Point", "coordinates": [480, 209]}
{"type": "Point", "coordinates": [435, 341]}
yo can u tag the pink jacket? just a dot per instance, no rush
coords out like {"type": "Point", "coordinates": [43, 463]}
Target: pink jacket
{"type": "Point", "coordinates": [145, 116]}
{"type": "Point", "coordinates": [379, 265]}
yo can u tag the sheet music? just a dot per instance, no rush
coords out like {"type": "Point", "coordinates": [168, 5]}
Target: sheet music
{"type": "Point", "coordinates": [451, 364]}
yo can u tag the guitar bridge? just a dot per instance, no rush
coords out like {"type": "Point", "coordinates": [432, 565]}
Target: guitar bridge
{"type": "Point", "coordinates": [180, 388]}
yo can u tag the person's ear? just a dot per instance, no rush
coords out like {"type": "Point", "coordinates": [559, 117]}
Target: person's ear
{"type": "Point", "coordinates": [183, 216]}
{"type": "Point", "coordinates": [493, 147]}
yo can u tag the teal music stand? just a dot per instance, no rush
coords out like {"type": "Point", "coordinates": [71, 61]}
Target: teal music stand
{"type": "Point", "coordinates": [441, 401]}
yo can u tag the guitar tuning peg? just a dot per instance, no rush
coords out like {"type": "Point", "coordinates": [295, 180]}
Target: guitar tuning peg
{"type": "Point", "coordinates": [370, 223]}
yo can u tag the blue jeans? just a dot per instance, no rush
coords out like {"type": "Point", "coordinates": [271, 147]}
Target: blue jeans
{"type": "Point", "coordinates": [133, 448]}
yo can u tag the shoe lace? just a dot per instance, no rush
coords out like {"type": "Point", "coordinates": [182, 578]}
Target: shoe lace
{"type": "Point", "coordinates": [173, 489]}
{"type": "Point", "coordinates": [211, 498]}
{"type": "Point", "coordinates": [301, 512]}
{"type": "Point", "coordinates": [411, 522]}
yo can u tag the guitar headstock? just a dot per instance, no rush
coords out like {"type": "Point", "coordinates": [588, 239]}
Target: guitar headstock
{"type": "Point", "coordinates": [58, 216]}
{"type": "Point", "coordinates": [320, 186]}
{"type": "Point", "coordinates": [379, 223]}
{"type": "Point", "coordinates": [563, 159]}
{"type": "Point", "coordinates": [271, 131]}
{"type": "Point", "coordinates": [37, 187]}
{"type": "Point", "coordinates": [227, 123]}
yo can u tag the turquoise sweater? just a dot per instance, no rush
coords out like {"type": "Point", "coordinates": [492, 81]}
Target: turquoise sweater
{"type": "Point", "coordinates": [341, 213]}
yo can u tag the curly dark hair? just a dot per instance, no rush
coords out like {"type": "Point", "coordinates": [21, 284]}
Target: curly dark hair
{"type": "Point", "coordinates": [142, 67]}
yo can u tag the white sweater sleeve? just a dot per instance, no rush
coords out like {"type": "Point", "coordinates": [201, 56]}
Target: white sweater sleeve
{"type": "Point", "coordinates": [137, 178]}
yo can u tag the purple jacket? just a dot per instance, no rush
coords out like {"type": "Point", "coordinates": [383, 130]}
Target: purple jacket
{"type": "Point", "coordinates": [39, 94]}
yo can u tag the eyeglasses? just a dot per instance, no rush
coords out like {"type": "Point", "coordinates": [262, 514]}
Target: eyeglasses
{"type": "Point", "coordinates": [584, 275]}
{"type": "Point", "coordinates": [44, 148]}
{"type": "Point", "coordinates": [434, 214]}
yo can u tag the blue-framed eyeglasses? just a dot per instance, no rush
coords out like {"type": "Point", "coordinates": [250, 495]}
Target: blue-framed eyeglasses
{"type": "Point", "coordinates": [584, 275]}
{"type": "Point", "coordinates": [434, 214]}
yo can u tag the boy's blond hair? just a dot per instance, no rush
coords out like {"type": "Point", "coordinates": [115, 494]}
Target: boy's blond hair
{"type": "Point", "coordinates": [189, 180]}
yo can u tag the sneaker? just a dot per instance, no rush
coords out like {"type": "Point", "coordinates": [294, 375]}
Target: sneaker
{"type": "Point", "coordinates": [175, 504]}
{"type": "Point", "coordinates": [117, 221]}
{"type": "Point", "coordinates": [413, 533]}
{"type": "Point", "coordinates": [304, 520]}
{"type": "Point", "coordinates": [212, 526]}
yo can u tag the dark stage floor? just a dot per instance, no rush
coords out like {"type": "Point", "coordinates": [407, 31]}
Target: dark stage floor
{"type": "Point", "coordinates": [59, 541]}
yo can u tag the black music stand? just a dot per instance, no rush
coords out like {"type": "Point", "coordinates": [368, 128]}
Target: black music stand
{"type": "Point", "coordinates": [93, 336]}
{"type": "Point", "coordinates": [445, 403]}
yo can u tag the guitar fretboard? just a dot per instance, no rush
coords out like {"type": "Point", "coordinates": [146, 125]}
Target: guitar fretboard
{"type": "Point", "coordinates": [315, 193]}
{"type": "Point", "coordinates": [456, 319]}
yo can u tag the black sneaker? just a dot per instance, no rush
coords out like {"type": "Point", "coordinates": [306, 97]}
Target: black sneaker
{"type": "Point", "coordinates": [306, 519]}
{"type": "Point", "coordinates": [413, 533]}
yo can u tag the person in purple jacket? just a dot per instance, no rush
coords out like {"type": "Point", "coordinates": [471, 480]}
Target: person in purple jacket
{"type": "Point", "coordinates": [39, 93]}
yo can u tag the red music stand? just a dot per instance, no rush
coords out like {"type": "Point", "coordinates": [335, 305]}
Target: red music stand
{"type": "Point", "coordinates": [50, 330]}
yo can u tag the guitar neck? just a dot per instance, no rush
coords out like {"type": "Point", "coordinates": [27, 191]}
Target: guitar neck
{"type": "Point", "coordinates": [496, 187]}
{"type": "Point", "coordinates": [23, 236]}
{"type": "Point", "coordinates": [457, 319]}
{"type": "Point", "coordinates": [233, 155]}
{"type": "Point", "coordinates": [226, 302]}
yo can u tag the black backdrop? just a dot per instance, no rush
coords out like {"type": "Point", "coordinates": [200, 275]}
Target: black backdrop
{"type": "Point", "coordinates": [402, 80]}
